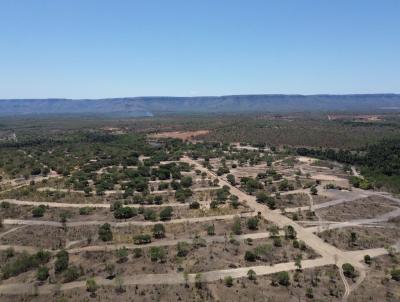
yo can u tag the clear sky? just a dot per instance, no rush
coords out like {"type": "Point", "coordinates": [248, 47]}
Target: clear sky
{"type": "Point", "coordinates": [116, 48]}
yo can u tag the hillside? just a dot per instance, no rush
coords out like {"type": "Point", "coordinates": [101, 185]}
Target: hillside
{"type": "Point", "coordinates": [147, 106]}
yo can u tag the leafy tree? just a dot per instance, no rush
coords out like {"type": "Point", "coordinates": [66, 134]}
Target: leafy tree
{"type": "Point", "coordinates": [157, 253]}
{"type": "Point", "coordinates": [158, 231]}
{"type": "Point", "coordinates": [348, 270]}
{"type": "Point", "coordinates": [183, 248]}
{"type": "Point", "coordinates": [105, 232]}
{"type": "Point", "coordinates": [231, 179]}
{"type": "Point", "coordinates": [186, 181]}
{"type": "Point", "coordinates": [39, 211]}
{"type": "Point", "coordinates": [42, 273]}
{"type": "Point", "coordinates": [395, 273]}
{"type": "Point", "coordinates": [251, 275]}
{"type": "Point", "coordinates": [237, 226]}
{"type": "Point", "coordinates": [125, 212]}
{"type": "Point", "coordinates": [252, 223]}
{"type": "Point", "coordinates": [194, 205]}
{"type": "Point", "coordinates": [62, 261]}
{"type": "Point", "coordinates": [137, 252]}
{"type": "Point", "coordinates": [91, 286]}
{"type": "Point", "coordinates": [166, 213]}
{"type": "Point", "coordinates": [211, 230]}
{"type": "Point", "coordinates": [150, 214]}
{"type": "Point", "coordinates": [283, 278]}
{"type": "Point", "coordinates": [228, 280]}
{"type": "Point", "coordinates": [250, 256]}
{"type": "Point", "coordinates": [290, 232]}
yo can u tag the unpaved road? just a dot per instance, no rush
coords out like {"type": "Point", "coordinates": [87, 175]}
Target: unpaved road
{"type": "Point", "coordinates": [124, 223]}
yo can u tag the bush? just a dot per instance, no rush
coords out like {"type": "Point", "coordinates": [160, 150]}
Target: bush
{"type": "Point", "coordinates": [62, 261]}
{"type": "Point", "coordinates": [42, 273]}
{"type": "Point", "coordinates": [348, 270]}
{"type": "Point", "coordinates": [194, 205]}
{"type": "Point", "coordinates": [142, 239]}
{"type": "Point", "coordinates": [157, 253]}
{"type": "Point", "coordinates": [183, 248]}
{"type": "Point", "coordinates": [367, 259]}
{"type": "Point", "coordinates": [251, 275]}
{"type": "Point", "coordinates": [91, 286]}
{"type": "Point", "coordinates": [39, 211]}
{"type": "Point", "coordinates": [150, 214]}
{"type": "Point", "coordinates": [395, 273]}
{"type": "Point", "coordinates": [85, 210]}
{"type": "Point", "coordinates": [228, 281]}
{"type": "Point", "coordinates": [252, 223]}
{"type": "Point", "coordinates": [137, 252]}
{"type": "Point", "coordinates": [237, 226]}
{"type": "Point", "coordinates": [158, 231]}
{"type": "Point", "coordinates": [125, 212]}
{"type": "Point", "coordinates": [211, 230]}
{"type": "Point", "coordinates": [283, 278]}
{"type": "Point", "coordinates": [71, 274]}
{"type": "Point", "coordinates": [24, 262]}
{"type": "Point", "coordinates": [186, 181]}
{"type": "Point", "coordinates": [105, 232]}
{"type": "Point", "coordinates": [250, 256]}
{"type": "Point", "coordinates": [166, 213]}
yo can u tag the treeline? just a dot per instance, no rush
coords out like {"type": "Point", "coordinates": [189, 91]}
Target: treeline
{"type": "Point", "coordinates": [379, 162]}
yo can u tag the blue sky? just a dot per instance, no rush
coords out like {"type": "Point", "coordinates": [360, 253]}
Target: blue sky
{"type": "Point", "coordinates": [116, 48]}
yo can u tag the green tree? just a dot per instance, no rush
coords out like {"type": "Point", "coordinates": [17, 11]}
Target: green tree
{"type": "Point", "coordinates": [166, 213]}
{"type": "Point", "coordinates": [251, 275]}
{"type": "Point", "coordinates": [237, 226]}
{"type": "Point", "coordinates": [158, 231]}
{"type": "Point", "coordinates": [105, 232]}
{"type": "Point", "coordinates": [42, 273]}
{"type": "Point", "coordinates": [62, 261]}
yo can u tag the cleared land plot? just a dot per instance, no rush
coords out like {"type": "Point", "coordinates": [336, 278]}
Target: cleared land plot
{"type": "Point", "coordinates": [357, 238]}
{"type": "Point", "coordinates": [324, 282]}
{"type": "Point", "coordinates": [369, 207]}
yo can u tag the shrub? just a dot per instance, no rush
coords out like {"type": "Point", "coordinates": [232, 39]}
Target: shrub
{"type": "Point", "coordinates": [186, 181]}
{"type": "Point", "coordinates": [251, 275]}
{"type": "Point", "coordinates": [367, 259]}
{"type": "Point", "coordinates": [105, 232]}
{"type": "Point", "coordinates": [158, 231]}
{"type": "Point", "coordinates": [142, 239]}
{"type": "Point", "coordinates": [125, 212]}
{"type": "Point", "coordinates": [23, 263]}
{"type": "Point", "coordinates": [395, 273]}
{"type": "Point", "coordinates": [252, 223]}
{"type": "Point", "coordinates": [62, 261]}
{"type": "Point", "coordinates": [228, 281]}
{"type": "Point", "coordinates": [348, 270]}
{"type": "Point", "coordinates": [150, 214]}
{"type": "Point", "coordinates": [39, 211]}
{"type": "Point", "coordinates": [157, 253]}
{"type": "Point", "coordinates": [250, 256]}
{"type": "Point", "coordinates": [85, 210]}
{"type": "Point", "coordinates": [137, 252]}
{"type": "Point", "coordinates": [211, 230]}
{"type": "Point", "coordinates": [183, 248]}
{"type": "Point", "coordinates": [91, 286]}
{"type": "Point", "coordinates": [42, 273]}
{"type": "Point", "coordinates": [166, 213]}
{"type": "Point", "coordinates": [194, 205]}
{"type": "Point", "coordinates": [283, 278]}
{"type": "Point", "coordinates": [237, 226]}
{"type": "Point", "coordinates": [71, 274]}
